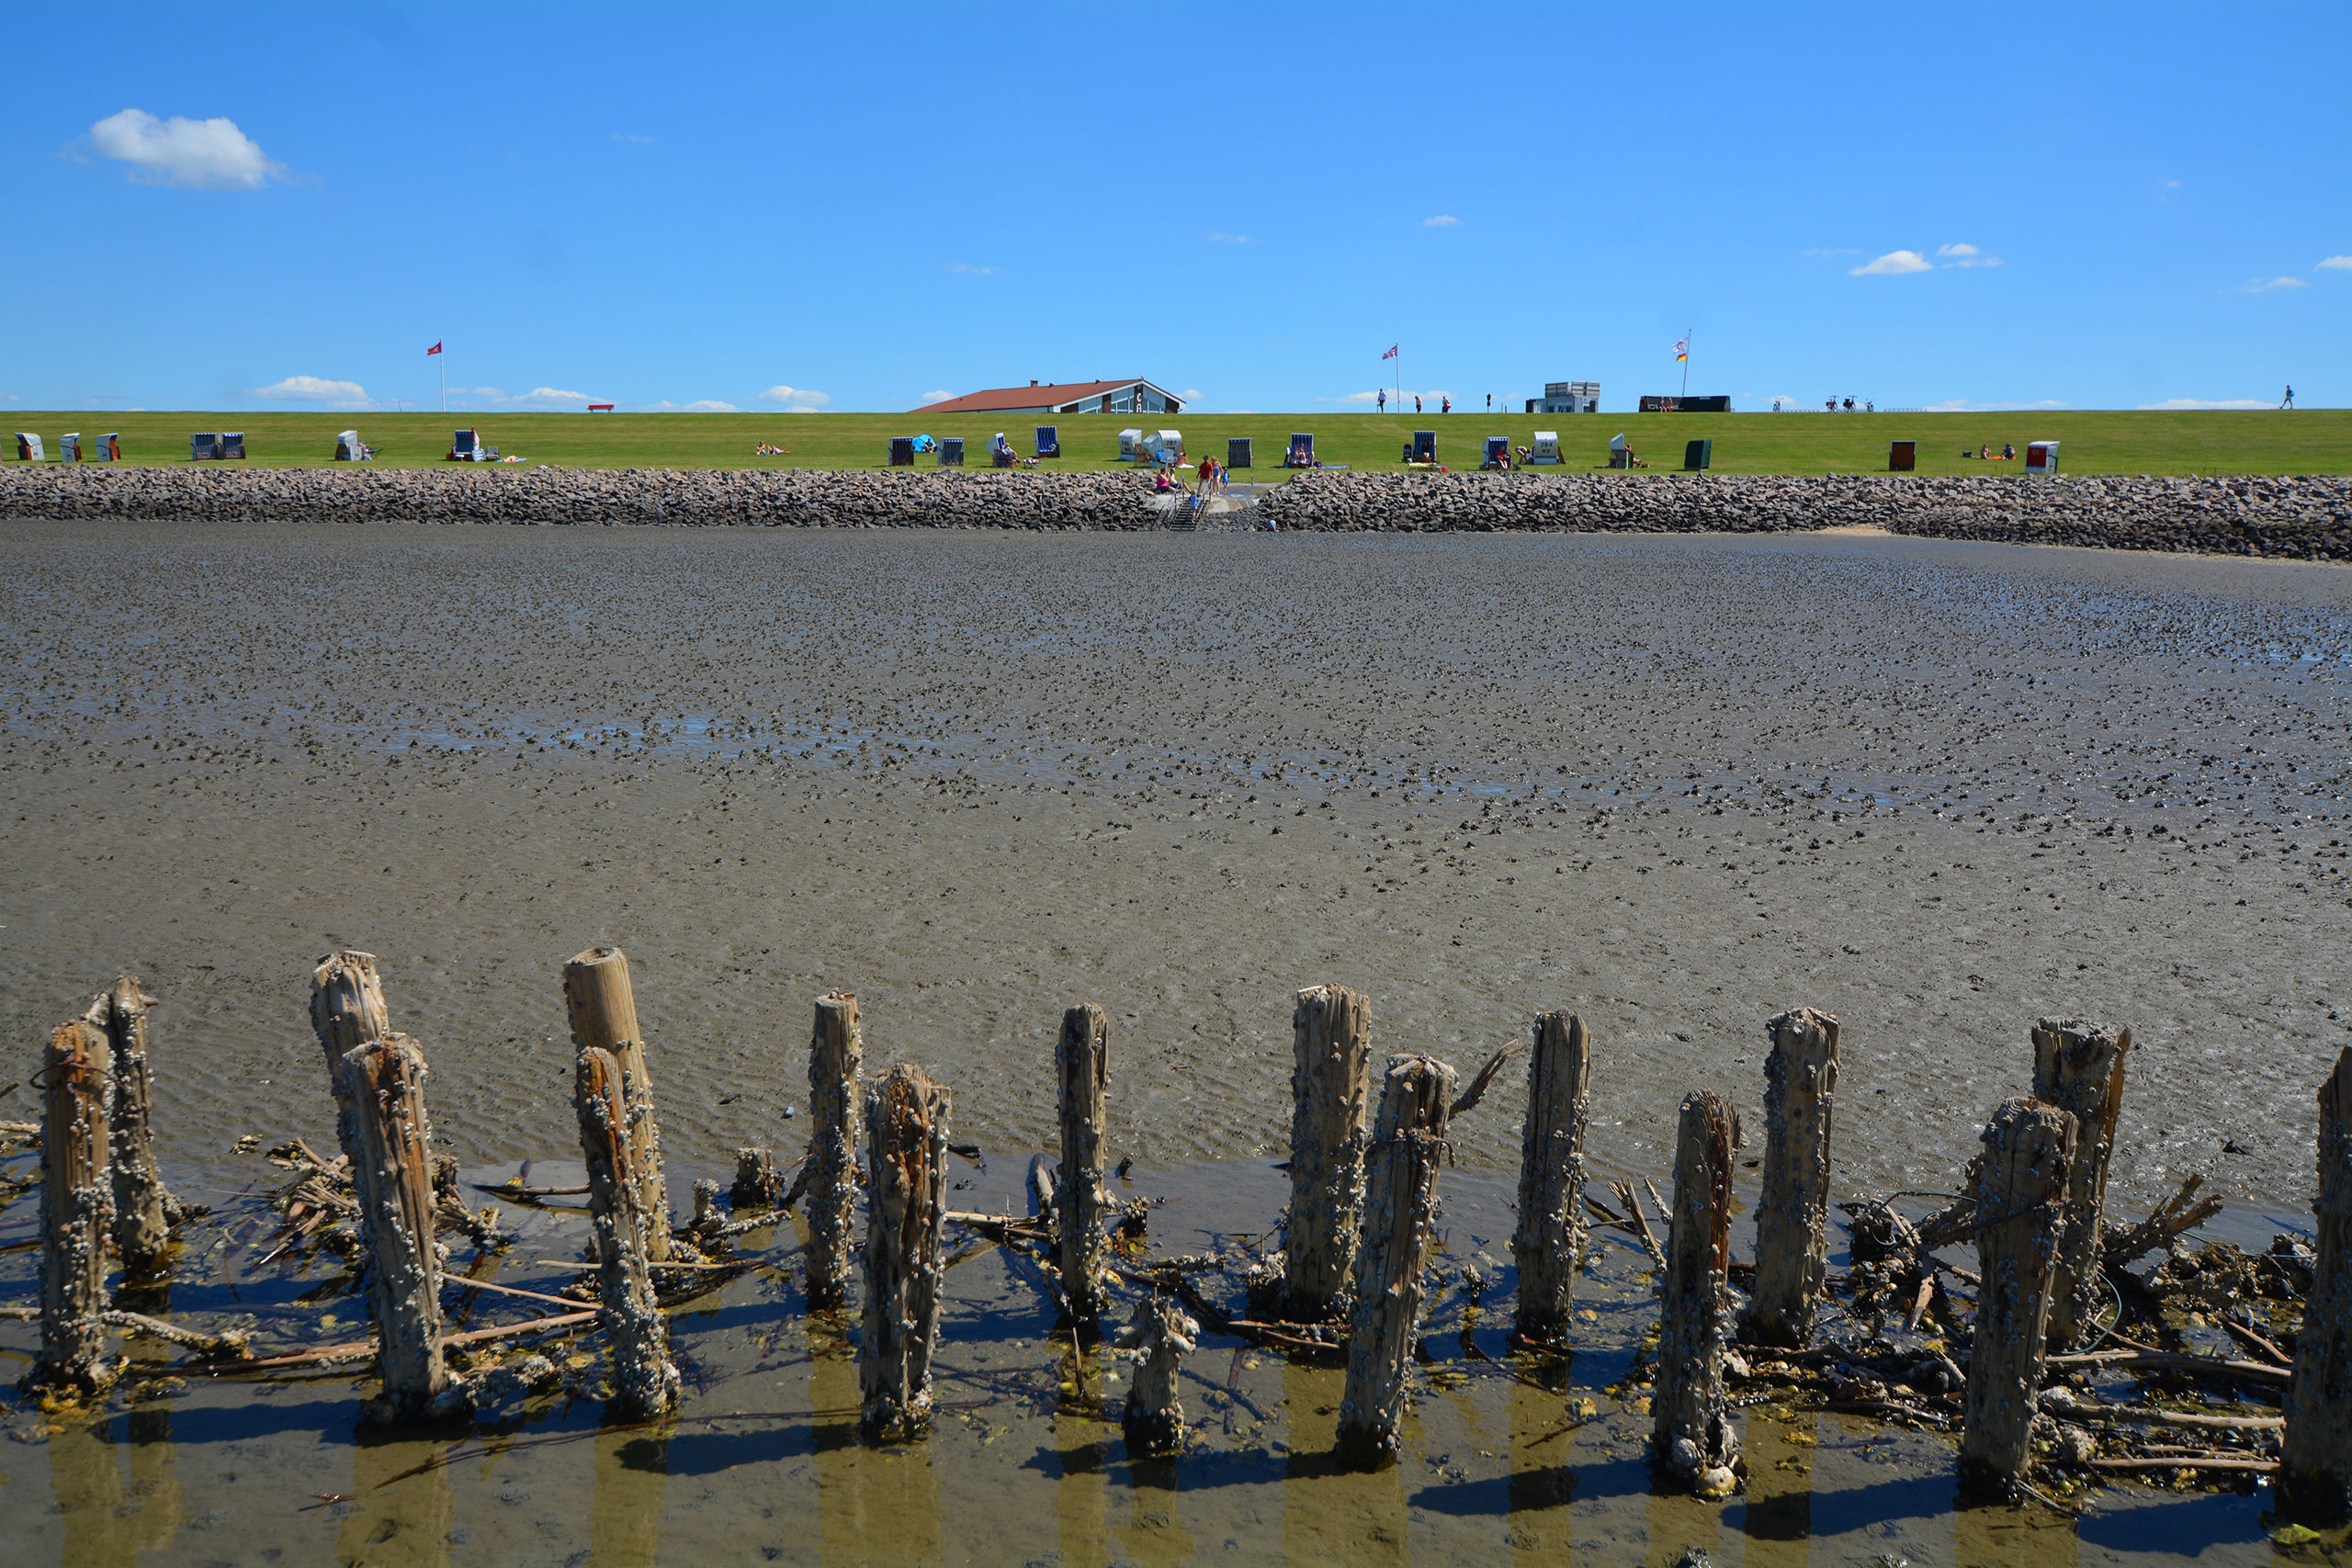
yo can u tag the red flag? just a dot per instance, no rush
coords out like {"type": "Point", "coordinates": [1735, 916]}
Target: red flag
{"type": "Point", "coordinates": [435, 349]}
{"type": "Point", "coordinates": [1390, 355]}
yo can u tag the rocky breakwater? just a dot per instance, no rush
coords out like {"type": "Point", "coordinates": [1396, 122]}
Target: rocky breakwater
{"type": "Point", "coordinates": [2305, 518]}
{"type": "Point", "coordinates": [775, 497]}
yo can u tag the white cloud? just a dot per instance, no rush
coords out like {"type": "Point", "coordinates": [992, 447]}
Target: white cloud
{"type": "Point", "coordinates": [701, 405]}
{"type": "Point", "coordinates": [537, 398]}
{"type": "Point", "coordinates": [1788, 400]}
{"type": "Point", "coordinates": [799, 399]}
{"type": "Point", "coordinates": [2265, 285]}
{"type": "Point", "coordinates": [2209, 403]}
{"type": "Point", "coordinates": [2336, 263]}
{"type": "Point", "coordinates": [1892, 263]}
{"type": "Point", "coordinates": [1965, 255]}
{"type": "Point", "coordinates": [314, 389]}
{"type": "Point", "coordinates": [934, 396]}
{"type": "Point", "coordinates": [975, 271]}
{"type": "Point", "coordinates": [212, 153]}
{"type": "Point", "coordinates": [1961, 405]}
{"type": "Point", "coordinates": [1441, 221]}
{"type": "Point", "coordinates": [1189, 396]}
{"type": "Point", "coordinates": [1216, 238]}
{"type": "Point", "coordinates": [1396, 400]}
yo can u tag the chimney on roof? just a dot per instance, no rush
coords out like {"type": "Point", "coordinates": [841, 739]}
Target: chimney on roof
{"type": "Point", "coordinates": [1033, 380]}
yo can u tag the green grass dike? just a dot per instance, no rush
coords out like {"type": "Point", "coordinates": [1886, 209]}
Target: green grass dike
{"type": "Point", "coordinates": [2317, 440]}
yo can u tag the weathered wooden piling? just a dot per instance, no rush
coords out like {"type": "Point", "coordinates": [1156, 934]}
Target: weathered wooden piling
{"type": "Point", "coordinates": [2315, 1471]}
{"type": "Point", "coordinates": [76, 1211]}
{"type": "Point", "coordinates": [1548, 1242]}
{"type": "Point", "coordinates": [1331, 1050]}
{"type": "Point", "coordinates": [1692, 1432]}
{"type": "Point", "coordinates": [346, 1010]}
{"type": "Point", "coordinates": [1792, 1214]}
{"type": "Point", "coordinates": [145, 1212]}
{"type": "Point", "coordinates": [2021, 1190]}
{"type": "Point", "coordinates": [758, 1184]}
{"type": "Point", "coordinates": [906, 1131]}
{"type": "Point", "coordinates": [1082, 1063]}
{"type": "Point", "coordinates": [836, 1055]}
{"type": "Point", "coordinates": [1400, 1200]}
{"type": "Point", "coordinates": [2078, 1068]}
{"type": "Point", "coordinates": [602, 1004]}
{"type": "Point", "coordinates": [1158, 1336]}
{"type": "Point", "coordinates": [391, 1170]}
{"type": "Point", "coordinates": [644, 1383]}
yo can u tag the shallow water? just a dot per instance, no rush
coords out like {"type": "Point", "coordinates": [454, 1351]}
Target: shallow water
{"type": "Point", "coordinates": [1504, 1459]}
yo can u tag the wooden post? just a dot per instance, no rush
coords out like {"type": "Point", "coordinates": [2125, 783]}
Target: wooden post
{"type": "Point", "coordinates": [2078, 1068]}
{"type": "Point", "coordinates": [836, 1054]}
{"type": "Point", "coordinates": [757, 1185]}
{"type": "Point", "coordinates": [1082, 1062]}
{"type": "Point", "coordinates": [391, 1170]}
{"type": "Point", "coordinates": [1694, 1441]}
{"type": "Point", "coordinates": [1792, 1236]}
{"type": "Point", "coordinates": [1548, 1242]}
{"type": "Point", "coordinates": [604, 1016]}
{"type": "Point", "coordinates": [1158, 1336]}
{"type": "Point", "coordinates": [1400, 1199]}
{"type": "Point", "coordinates": [76, 1211]}
{"type": "Point", "coordinates": [145, 1212]}
{"type": "Point", "coordinates": [906, 1131]}
{"type": "Point", "coordinates": [346, 1010]}
{"type": "Point", "coordinates": [2020, 1206]}
{"type": "Point", "coordinates": [644, 1383]}
{"type": "Point", "coordinates": [1331, 1049]}
{"type": "Point", "coordinates": [2315, 1475]}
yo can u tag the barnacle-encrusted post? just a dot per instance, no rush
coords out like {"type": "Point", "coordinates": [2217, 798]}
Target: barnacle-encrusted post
{"type": "Point", "coordinates": [1331, 1049]}
{"type": "Point", "coordinates": [2021, 1204]}
{"type": "Point", "coordinates": [392, 1169]}
{"type": "Point", "coordinates": [836, 1057]}
{"type": "Point", "coordinates": [1082, 1063]}
{"type": "Point", "coordinates": [2316, 1476]}
{"type": "Point", "coordinates": [1692, 1437]}
{"type": "Point", "coordinates": [1548, 1242]}
{"type": "Point", "coordinates": [603, 1004]}
{"type": "Point", "coordinates": [1400, 1201]}
{"type": "Point", "coordinates": [906, 1131]}
{"type": "Point", "coordinates": [76, 1210]}
{"type": "Point", "coordinates": [2078, 1068]}
{"type": "Point", "coordinates": [644, 1383]}
{"type": "Point", "coordinates": [1792, 1214]}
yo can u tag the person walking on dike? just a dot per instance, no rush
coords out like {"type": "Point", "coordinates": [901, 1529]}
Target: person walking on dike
{"type": "Point", "coordinates": [1381, 397]}
{"type": "Point", "coordinates": [1417, 403]}
{"type": "Point", "coordinates": [1445, 405]}
{"type": "Point", "coordinates": [2288, 401]}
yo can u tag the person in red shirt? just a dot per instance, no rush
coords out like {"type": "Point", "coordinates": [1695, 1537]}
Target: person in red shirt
{"type": "Point", "coordinates": [1209, 474]}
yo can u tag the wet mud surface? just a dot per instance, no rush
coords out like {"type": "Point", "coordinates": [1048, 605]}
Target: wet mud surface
{"type": "Point", "coordinates": [1676, 784]}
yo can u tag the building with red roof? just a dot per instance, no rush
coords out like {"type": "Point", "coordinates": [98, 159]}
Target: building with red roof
{"type": "Point", "coordinates": [1134, 396]}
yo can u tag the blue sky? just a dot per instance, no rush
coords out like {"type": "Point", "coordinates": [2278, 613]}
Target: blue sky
{"type": "Point", "coordinates": [857, 208]}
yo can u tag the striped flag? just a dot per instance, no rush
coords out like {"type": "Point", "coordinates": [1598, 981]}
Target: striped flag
{"type": "Point", "coordinates": [435, 349]}
{"type": "Point", "coordinates": [1392, 352]}
{"type": "Point", "coordinates": [1683, 349]}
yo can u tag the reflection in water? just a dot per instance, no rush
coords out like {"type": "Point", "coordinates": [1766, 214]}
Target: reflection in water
{"type": "Point", "coordinates": [1154, 1535]}
{"type": "Point", "coordinates": [405, 1522]}
{"type": "Point", "coordinates": [1331, 1513]}
{"type": "Point", "coordinates": [1080, 1447]}
{"type": "Point", "coordinates": [1679, 1523]}
{"type": "Point", "coordinates": [1993, 1535]}
{"type": "Point", "coordinates": [877, 1506]}
{"type": "Point", "coordinates": [101, 1523]}
{"type": "Point", "coordinates": [632, 1474]}
{"type": "Point", "coordinates": [1779, 1516]}
{"type": "Point", "coordinates": [1542, 1485]}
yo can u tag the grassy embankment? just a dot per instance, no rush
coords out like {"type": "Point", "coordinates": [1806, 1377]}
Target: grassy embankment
{"type": "Point", "coordinates": [2304, 442]}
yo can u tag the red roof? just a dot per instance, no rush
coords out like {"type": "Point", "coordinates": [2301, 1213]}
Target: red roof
{"type": "Point", "coordinates": [1046, 395]}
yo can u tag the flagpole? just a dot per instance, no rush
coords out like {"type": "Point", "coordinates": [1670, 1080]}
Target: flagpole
{"type": "Point", "coordinates": [1688, 334]}
{"type": "Point", "coordinates": [444, 358]}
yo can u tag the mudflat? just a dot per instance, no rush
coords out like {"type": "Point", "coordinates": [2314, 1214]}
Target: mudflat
{"type": "Point", "coordinates": [1676, 783]}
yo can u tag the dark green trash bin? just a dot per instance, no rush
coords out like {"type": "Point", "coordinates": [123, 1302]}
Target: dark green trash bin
{"type": "Point", "coordinates": [1237, 452]}
{"type": "Point", "coordinates": [1699, 455]}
